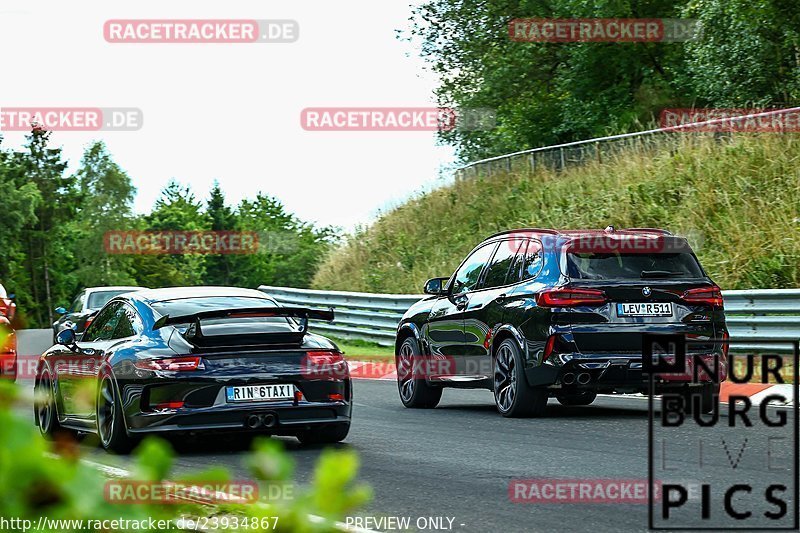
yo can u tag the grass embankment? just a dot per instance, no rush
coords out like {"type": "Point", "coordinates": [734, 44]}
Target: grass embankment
{"type": "Point", "coordinates": [739, 200]}
{"type": "Point", "coordinates": [358, 350]}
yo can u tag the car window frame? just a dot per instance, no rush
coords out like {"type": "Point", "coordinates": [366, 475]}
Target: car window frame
{"type": "Point", "coordinates": [452, 282]}
{"type": "Point", "coordinates": [140, 331]}
{"type": "Point", "coordinates": [529, 240]}
{"type": "Point", "coordinates": [94, 323]}
{"type": "Point", "coordinates": [485, 273]}
{"type": "Point", "coordinates": [541, 263]}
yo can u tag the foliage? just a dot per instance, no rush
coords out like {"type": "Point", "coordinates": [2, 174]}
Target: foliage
{"type": "Point", "coordinates": [48, 479]}
{"type": "Point", "coordinates": [547, 93]}
{"type": "Point", "coordinates": [52, 238]}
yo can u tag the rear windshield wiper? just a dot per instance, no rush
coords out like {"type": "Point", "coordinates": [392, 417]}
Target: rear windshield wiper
{"type": "Point", "coordinates": [660, 273]}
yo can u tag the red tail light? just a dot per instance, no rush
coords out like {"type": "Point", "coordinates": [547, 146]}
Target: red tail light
{"type": "Point", "coordinates": [322, 358]}
{"type": "Point", "coordinates": [88, 322]}
{"type": "Point", "coordinates": [548, 347]}
{"type": "Point", "coordinates": [326, 365]}
{"type": "Point", "coordinates": [570, 297]}
{"type": "Point", "coordinates": [172, 364]}
{"type": "Point", "coordinates": [704, 295]}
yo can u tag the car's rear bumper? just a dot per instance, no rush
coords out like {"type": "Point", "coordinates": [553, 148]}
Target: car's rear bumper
{"type": "Point", "coordinates": [617, 372]}
{"type": "Point", "coordinates": [288, 417]}
{"type": "Point", "coordinates": [202, 403]}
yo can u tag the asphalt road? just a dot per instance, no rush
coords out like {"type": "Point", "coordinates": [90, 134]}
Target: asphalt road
{"type": "Point", "coordinates": [457, 460]}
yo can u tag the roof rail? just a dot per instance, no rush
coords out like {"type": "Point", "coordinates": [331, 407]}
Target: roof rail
{"type": "Point", "coordinates": [567, 232]}
{"type": "Point", "coordinates": [522, 230]}
{"type": "Point", "coordinates": [650, 230]}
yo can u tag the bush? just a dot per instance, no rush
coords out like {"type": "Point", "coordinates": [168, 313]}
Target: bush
{"type": "Point", "coordinates": [737, 200]}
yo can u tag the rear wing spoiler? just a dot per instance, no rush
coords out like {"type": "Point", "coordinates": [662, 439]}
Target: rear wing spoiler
{"type": "Point", "coordinates": [303, 313]}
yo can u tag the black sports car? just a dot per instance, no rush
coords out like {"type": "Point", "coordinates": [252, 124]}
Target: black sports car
{"type": "Point", "coordinates": [195, 359]}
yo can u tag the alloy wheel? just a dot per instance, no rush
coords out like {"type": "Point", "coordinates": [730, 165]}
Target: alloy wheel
{"type": "Point", "coordinates": [44, 411]}
{"type": "Point", "coordinates": [405, 371]}
{"type": "Point", "coordinates": [505, 378]}
{"type": "Point", "coordinates": [106, 407]}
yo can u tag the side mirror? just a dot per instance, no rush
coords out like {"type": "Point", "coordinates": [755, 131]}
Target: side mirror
{"type": "Point", "coordinates": [66, 337]}
{"type": "Point", "coordinates": [435, 286]}
{"type": "Point", "coordinates": [60, 311]}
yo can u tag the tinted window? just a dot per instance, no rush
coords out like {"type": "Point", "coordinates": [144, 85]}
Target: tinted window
{"type": "Point", "coordinates": [469, 274]}
{"type": "Point", "coordinates": [632, 266]}
{"type": "Point", "coordinates": [515, 271]}
{"type": "Point", "coordinates": [77, 305]}
{"type": "Point", "coordinates": [532, 263]}
{"type": "Point", "coordinates": [499, 267]}
{"type": "Point", "coordinates": [100, 298]}
{"type": "Point", "coordinates": [129, 324]}
{"type": "Point", "coordinates": [104, 324]}
{"type": "Point", "coordinates": [190, 306]}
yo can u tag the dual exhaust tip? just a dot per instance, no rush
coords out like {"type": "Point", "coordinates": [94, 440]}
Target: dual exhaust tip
{"type": "Point", "coordinates": [267, 420]}
{"type": "Point", "coordinates": [582, 379]}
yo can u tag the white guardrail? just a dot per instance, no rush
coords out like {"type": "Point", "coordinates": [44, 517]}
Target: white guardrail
{"type": "Point", "coordinates": [753, 316]}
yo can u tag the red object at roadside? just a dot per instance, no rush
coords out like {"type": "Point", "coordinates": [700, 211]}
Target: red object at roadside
{"type": "Point", "coordinates": [8, 350]}
{"type": "Point", "coordinates": [7, 306]}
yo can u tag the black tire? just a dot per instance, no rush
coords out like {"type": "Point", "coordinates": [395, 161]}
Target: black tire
{"type": "Point", "coordinates": [328, 434]}
{"type": "Point", "coordinates": [707, 395]}
{"type": "Point", "coordinates": [513, 396]}
{"type": "Point", "coordinates": [110, 418]}
{"type": "Point", "coordinates": [582, 398]}
{"type": "Point", "coordinates": [45, 406]}
{"type": "Point", "coordinates": [414, 392]}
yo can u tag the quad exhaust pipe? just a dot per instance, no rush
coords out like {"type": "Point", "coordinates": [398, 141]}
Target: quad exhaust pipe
{"type": "Point", "coordinates": [267, 420]}
{"type": "Point", "coordinates": [568, 378]}
{"type": "Point", "coordinates": [584, 378]}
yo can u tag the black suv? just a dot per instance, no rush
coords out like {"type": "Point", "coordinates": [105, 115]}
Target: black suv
{"type": "Point", "coordinates": [535, 313]}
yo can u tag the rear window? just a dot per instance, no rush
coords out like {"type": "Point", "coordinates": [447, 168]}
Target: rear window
{"type": "Point", "coordinates": [632, 266]}
{"type": "Point", "coordinates": [190, 306]}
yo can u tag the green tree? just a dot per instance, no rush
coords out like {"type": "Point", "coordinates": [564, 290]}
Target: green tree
{"type": "Point", "coordinates": [548, 93]}
{"type": "Point", "coordinates": [289, 249]}
{"type": "Point", "coordinates": [178, 210]}
{"type": "Point", "coordinates": [106, 193]}
{"type": "Point", "coordinates": [222, 218]}
{"type": "Point", "coordinates": [749, 53]}
{"type": "Point", "coordinates": [18, 202]}
{"type": "Point", "coordinates": [47, 257]}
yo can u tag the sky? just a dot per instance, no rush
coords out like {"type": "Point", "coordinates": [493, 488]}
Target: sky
{"type": "Point", "coordinates": [231, 112]}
